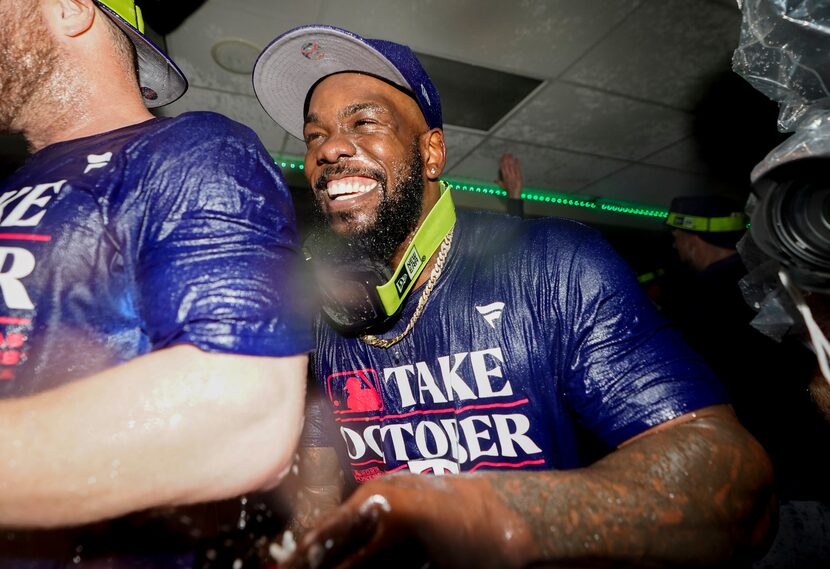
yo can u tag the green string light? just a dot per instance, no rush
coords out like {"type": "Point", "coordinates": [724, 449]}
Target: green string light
{"type": "Point", "coordinates": [290, 162]}
{"type": "Point", "coordinates": [567, 200]}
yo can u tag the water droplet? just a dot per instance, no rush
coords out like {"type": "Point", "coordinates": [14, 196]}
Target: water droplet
{"type": "Point", "coordinates": [243, 514]}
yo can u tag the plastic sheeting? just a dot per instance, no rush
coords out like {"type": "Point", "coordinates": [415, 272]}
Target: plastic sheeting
{"type": "Point", "coordinates": [784, 52]}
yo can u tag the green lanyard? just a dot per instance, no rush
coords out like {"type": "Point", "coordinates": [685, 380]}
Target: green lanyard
{"type": "Point", "coordinates": [428, 238]}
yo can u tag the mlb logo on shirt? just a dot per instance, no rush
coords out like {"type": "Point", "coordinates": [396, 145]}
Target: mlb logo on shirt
{"type": "Point", "coordinates": [355, 391]}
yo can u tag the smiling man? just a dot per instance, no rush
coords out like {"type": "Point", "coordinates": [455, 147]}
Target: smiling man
{"type": "Point", "coordinates": [463, 342]}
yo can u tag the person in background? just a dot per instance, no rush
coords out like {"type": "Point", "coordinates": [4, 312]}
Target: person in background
{"type": "Point", "coordinates": [152, 342]}
{"type": "Point", "coordinates": [768, 381]}
{"type": "Point", "coordinates": [715, 320]}
{"type": "Point", "coordinates": [489, 342]}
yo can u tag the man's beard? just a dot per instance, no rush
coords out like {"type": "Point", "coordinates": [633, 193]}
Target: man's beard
{"type": "Point", "coordinates": [29, 59]}
{"type": "Point", "coordinates": [396, 217]}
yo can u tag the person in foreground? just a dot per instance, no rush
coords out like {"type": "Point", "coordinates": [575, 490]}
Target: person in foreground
{"type": "Point", "coordinates": [152, 342]}
{"type": "Point", "coordinates": [516, 341]}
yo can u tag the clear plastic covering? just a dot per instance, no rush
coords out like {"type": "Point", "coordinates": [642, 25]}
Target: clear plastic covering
{"type": "Point", "coordinates": [776, 316]}
{"type": "Point", "coordinates": [784, 52]}
{"type": "Point", "coordinates": [811, 140]}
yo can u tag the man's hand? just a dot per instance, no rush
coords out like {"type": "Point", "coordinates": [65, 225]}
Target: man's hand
{"type": "Point", "coordinates": [510, 176]}
{"type": "Point", "coordinates": [692, 492]}
{"type": "Point", "coordinates": [406, 520]}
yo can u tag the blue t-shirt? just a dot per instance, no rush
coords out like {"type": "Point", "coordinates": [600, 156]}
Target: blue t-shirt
{"type": "Point", "coordinates": [172, 231]}
{"type": "Point", "coordinates": [535, 333]}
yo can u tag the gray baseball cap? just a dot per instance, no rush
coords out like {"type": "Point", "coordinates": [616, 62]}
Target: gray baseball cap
{"type": "Point", "coordinates": [161, 81]}
{"type": "Point", "coordinates": [295, 61]}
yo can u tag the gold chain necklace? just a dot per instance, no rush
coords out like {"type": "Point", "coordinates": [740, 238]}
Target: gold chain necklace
{"type": "Point", "coordinates": [433, 278]}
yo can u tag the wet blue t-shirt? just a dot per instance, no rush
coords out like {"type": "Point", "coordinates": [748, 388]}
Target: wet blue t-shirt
{"type": "Point", "coordinates": [172, 231]}
{"type": "Point", "coordinates": [535, 334]}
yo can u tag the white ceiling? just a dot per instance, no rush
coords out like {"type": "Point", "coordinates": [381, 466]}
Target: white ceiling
{"type": "Point", "coordinates": [613, 117]}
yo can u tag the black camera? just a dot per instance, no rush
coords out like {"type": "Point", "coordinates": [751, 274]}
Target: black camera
{"type": "Point", "coordinates": [790, 220]}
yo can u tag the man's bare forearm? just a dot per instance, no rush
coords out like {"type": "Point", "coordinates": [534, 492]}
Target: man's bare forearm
{"type": "Point", "coordinates": [174, 427]}
{"type": "Point", "coordinates": [695, 494]}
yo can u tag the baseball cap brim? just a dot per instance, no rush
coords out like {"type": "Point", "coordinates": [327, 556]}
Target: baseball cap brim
{"type": "Point", "coordinates": [294, 62]}
{"type": "Point", "coordinates": [162, 82]}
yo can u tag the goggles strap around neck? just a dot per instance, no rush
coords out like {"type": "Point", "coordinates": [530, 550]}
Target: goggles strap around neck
{"type": "Point", "coordinates": [425, 243]}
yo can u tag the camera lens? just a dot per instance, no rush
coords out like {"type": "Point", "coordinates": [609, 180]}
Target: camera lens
{"type": "Point", "coordinates": [791, 220]}
{"type": "Point", "coordinates": [802, 221]}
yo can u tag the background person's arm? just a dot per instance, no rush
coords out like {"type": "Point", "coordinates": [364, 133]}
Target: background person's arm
{"type": "Point", "coordinates": [176, 426]}
{"type": "Point", "coordinates": [317, 485]}
{"type": "Point", "coordinates": [692, 492]}
{"type": "Point", "coordinates": [510, 180]}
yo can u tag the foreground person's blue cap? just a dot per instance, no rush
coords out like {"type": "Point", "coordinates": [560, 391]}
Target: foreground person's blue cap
{"type": "Point", "coordinates": [294, 62]}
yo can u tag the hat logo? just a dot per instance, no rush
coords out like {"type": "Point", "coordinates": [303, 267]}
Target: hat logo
{"type": "Point", "coordinates": [149, 94]}
{"type": "Point", "coordinates": [312, 51]}
{"type": "Point", "coordinates": [425, 94]}
{"type": "Point", "coordinates": [684, 221]}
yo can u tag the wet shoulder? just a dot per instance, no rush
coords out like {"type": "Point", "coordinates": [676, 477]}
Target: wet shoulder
{"type": "Point", "coordinates": [199, 127]}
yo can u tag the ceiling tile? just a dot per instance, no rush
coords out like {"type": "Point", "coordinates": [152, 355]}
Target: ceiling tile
{"type": "Point", "coordinates": [254, 22]}
{"type": "Point", "coordinates": [241, 108]}
{"type": "Point", "coordinates": [542, 168]}
{"type": "Point", "coordinates": [652, 185]}
{"type": "Point", "coordinates": [683, 155]}
{"type": "Point", "coordinates": [663, 51]}
{"type": "Point", "coordinates": [586, 120]}
{"type": "Point", "coordinates": [538, 37]}
{"type": "Point", "coordinates": [459, 143]}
